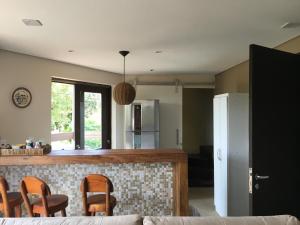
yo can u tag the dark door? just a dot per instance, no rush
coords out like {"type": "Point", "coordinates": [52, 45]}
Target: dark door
{"type": "Point", "coordinates": [92, 116]}
{"type": "Point", "coordinates": [274, 131]}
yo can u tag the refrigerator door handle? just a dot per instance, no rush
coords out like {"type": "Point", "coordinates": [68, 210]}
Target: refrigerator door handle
{"type": "Point", "coordinates": [177, 136]}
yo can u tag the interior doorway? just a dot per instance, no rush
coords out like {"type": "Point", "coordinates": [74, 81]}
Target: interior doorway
{"type": "Point", "coordinates": [197, 122]}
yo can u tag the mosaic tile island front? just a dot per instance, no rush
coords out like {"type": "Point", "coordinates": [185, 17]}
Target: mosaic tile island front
{"type": "Point", "coordinates": [140, 188]}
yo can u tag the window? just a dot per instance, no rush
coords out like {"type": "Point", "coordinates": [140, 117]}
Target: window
{"type": "Point", "coordinates": [80, 115]}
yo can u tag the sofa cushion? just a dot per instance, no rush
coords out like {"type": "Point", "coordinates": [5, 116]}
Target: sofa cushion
{"type": "Point", "coordinates": [266, 220]}
{"type": "Point", "coordinates": [99, 220]}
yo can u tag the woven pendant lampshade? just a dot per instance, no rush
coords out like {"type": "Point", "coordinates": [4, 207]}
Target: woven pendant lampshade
{"type": "Point", "coordinates": [124, 93]}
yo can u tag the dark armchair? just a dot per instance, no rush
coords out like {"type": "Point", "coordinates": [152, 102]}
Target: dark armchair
{"type": "Point", "coordinates": [201, 167]}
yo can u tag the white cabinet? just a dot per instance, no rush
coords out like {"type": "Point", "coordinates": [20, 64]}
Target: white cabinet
{"type": "Point", "coordinates": [231, 154]}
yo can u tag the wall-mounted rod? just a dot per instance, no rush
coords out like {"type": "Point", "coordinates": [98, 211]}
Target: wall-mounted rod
{"type": "Point", "coordinates": [168, 83]}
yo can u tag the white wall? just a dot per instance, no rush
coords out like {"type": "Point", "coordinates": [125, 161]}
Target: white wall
{"type": "Point", "coordinates": [170, 104]}
{"type": "Point", "coordinates": [117, 121]}
{"type": "Point", "coordinates": [35, 73]}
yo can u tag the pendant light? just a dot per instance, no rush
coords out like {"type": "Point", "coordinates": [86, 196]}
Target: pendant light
{"type": "Point", "coordinates": [124, 93]}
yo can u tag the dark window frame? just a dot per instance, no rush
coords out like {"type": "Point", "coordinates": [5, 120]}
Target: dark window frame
{"type": "Point", "coordinates": [79, 88]}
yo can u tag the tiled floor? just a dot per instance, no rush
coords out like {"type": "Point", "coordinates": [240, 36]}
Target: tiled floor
{"type": "Point", "coordinates": [201, 200]}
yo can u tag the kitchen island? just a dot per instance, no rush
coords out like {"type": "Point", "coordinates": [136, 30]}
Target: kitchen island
{"type": "Point", "coordinates": [147, 182]}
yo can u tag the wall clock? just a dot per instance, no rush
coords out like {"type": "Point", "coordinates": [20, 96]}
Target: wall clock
{"type": "Point", "coordinates": [21, 97]}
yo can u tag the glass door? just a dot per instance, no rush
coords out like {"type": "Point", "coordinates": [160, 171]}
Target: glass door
{"type": "Point", "coordinates": [80, 115]}
{"type": "Point", "coordinates": [62, 116]}
{"type": "Point", "coordinates": [92, 117]}
{"type": "Point", "coordinates": [92, 120]}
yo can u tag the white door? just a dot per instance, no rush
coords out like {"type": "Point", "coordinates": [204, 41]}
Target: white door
{"type": "Point", "coordinates": [220, 154]}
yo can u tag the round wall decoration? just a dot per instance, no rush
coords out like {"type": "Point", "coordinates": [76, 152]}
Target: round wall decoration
{"type": "Point", "coordinates": [21, 97]}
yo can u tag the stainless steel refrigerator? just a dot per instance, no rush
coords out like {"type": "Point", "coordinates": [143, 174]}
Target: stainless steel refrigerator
{"type": "Point", "coordinates": [142, 124]}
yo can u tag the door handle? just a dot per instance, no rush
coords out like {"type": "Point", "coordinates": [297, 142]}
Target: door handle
{"type": "Point", "coordinates": [257, 177]}
{"type": "Point", "coordinates": [219, 154]}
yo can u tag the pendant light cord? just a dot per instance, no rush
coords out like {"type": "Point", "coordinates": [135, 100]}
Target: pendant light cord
{"type": "Point", "coordinates": [124, 53]}
{"type": "Point", "coordinates": [124, 69]}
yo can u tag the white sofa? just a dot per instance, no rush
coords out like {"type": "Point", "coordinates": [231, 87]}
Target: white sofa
{"type": "Point", "coordinates": [82, 220]}
{"type": "Point", "coordinates": [137, 220]}
{"type": "Point", "coordinates": [266, 220]}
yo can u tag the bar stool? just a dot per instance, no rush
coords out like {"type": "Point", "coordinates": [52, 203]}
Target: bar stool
{"type": "Point", "coordinates": [103, 202]}
{"type": "Point", "coordinates": [10, 202]}
{"type": "Point", "coordinates": [46, 204]}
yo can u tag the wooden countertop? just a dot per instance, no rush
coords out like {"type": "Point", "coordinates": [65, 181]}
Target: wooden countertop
{"type": "Point", "coordinates": [98, 156]}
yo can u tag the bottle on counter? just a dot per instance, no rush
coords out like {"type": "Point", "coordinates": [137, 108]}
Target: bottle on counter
{"type": "Point", "coordinates": [37, 144]}
{"type": "Point", "coordinates": [29, 143]}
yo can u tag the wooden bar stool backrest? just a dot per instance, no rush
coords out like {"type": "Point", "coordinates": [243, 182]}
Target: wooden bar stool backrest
{"type": "Point", "coordinates": [34, 186]}
{"type": "Point", "coordinates": [3, 191]}
{"type": "Point", "coordinates": [96, 183]}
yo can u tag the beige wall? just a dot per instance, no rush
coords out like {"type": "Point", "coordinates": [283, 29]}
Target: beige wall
{"type": "Point", "coordinates": [18, 70]}
{"type": "Point", "coordinates": [197, 118]}
{"type": "Point", "coordinates": [236, 79]}
{"type": "Point", "coordinates": [34, 73]}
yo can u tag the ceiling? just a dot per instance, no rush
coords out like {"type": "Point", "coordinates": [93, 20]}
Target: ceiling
{"type": "Point", "coordinates": [195, 36]}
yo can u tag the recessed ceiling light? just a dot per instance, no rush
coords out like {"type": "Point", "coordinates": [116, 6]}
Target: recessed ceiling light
{"type": "Point", "coordinates": [158, 51]}
{"type": "Point", "coordinates": [31, 22]}
{"type": "Point", "coordinates": [151, 70]}
{"type": "Point", "coordinates": [70, 50]}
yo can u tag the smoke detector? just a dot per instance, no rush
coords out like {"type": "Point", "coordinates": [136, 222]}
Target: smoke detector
{"type": "Point", "coordinates": [31, 22]}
